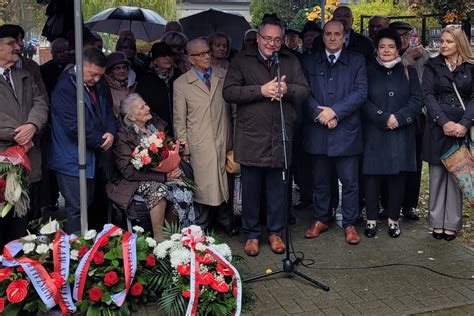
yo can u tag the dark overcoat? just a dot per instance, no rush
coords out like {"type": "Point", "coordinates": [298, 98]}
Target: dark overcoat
{"type": "Point", "coordinates": [443, 105]}
{"type": "Point", "coordinates": [394, 91]}
{"type": "Point", "coordinates": [342, 88]}
{"type": "Point", "coordinates": [258, 140]}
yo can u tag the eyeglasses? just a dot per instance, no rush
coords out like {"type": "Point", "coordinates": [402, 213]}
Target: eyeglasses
{"type": "Point", "coordinates": [202, 55]}
{"type": "Point", "coordinates": [268, 39]}
{"type": "Point", "coordinates": [405, 34]}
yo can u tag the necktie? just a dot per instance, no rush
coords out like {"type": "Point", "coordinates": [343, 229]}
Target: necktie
{"type": "Point", "coordinates": [207, 81]}
{"type": "Point", "coordinates": [332, 59]}
{"type": "Point", "coordinates": [268, 63]}
{"type": "Point", "coordinates": [6, 74]}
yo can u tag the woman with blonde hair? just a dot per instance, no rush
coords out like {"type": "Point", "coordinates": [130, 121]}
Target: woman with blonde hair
{"type": "Point", "coordinates": [219, 43]}
{"type": "Point", "coordinates": [447, 124]}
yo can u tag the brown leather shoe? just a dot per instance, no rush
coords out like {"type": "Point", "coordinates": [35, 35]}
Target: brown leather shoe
{"type": "Point", "coordinates": [352, 238]}
{"type": "Point", "coordinates": [316, 229]}
{"type": "Point", "coordinates": [276, 243]}
{"type": "Point", "coordinates": [251, 247]}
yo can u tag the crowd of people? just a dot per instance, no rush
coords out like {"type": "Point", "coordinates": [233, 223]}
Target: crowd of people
{"type": "Point", "coordinates": [361, 114]}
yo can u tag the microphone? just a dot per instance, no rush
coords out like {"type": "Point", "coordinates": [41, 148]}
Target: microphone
{"type": "Point", "coordinates": [276, 57]}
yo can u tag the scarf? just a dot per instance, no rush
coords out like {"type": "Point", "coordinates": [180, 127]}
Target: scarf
{"type": "Point", "coordinates": [164, 75]}
{"type": "Point", "coordinates": [389, 64]}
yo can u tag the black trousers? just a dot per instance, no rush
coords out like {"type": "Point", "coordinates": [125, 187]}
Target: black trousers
{"type": "Point", "coordinates": [413, 179]}
{"type": "Point", "coordinates": [207, 215]}
{"type": "Point", "coordinates": [255, 181]}
{"type": "Point", "coordinates": [394, 187]}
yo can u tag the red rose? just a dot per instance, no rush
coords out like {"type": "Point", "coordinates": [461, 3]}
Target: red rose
{"type": "Point", "coordinates": [205, 278]}
{"type": "Point", "coordinates": [5, 273]}
{"type": "Point", "coordinates": [2, 304]}
{"type": "Point", "coordinates": [57, 279]}
{"type": "Point", "coordinates": [161, 135]}
{"type": "Point", "coordinates": [82, 251]}
{"type": "Point", "coordinates": [186, 294]}
{"type": "Point", "coordinates": [220, 286]}
{"type": "Point", "coordinates": [20, 269]}
{"type": "Point", "coordinates": [110, 278]}
{"type": "Point", "coordinates": [17, 291]}
{"type": "Point", "coordinates": [224, 271]}
{"type": "Point", "coordinates": [150, 261]}
{"type": "Point", "coordinates": [104, 242]}
{"type": "Point", "coordinates": [146, 160]}
{"type": "Point", "coordinates": [184, 269]}
{"type": "Point", "coordinates": [98, 257]}
{"type": "Point", "coordinates": [136, 289]}
{"type": "Point", "coordinates": [153, 148]}
{"type": "Point", "coordinates": [95, 294]}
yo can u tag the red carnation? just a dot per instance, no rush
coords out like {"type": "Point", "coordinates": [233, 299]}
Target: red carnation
{"type": "Point", "coordinates": [95, 294]}
{"type": "Point", "coordinates": [98, 257]}
{"type": "Point", "coordinates": [5, 273]}
{"type": "Point", "coordinates": [224, 271]}
{"type": "Point", "coordinates": [17, 291]}
{"type": "Point", "coordinates": [20, 269]}
{"type": "Point", "coordinates": [205, 278]}
{"type": "Point", "coordinates": [150, 261]}
{"type": "Point", "coordinates": [136, 289]}
{"type": "Point", "coordinates": [220, 286]}
{"type": "Point", "coordinates": [104, 242]}
{"type": "Point", "coordinates": [161, 135]}
{"type": "Point", "coordinates": [184, 269]}
{"type": "Point", "coordinates": [153, 148]}
{"type": "Point", "coordinates": [82, 251]}
{"type": "Point", "coordinates": [110, 278]}
{"type": "Point", "coordinates": [186, 294]}
{"type": "Point", "coordinates": [146, 160]}
{"type": "Point", "coordinates": [57, 279]}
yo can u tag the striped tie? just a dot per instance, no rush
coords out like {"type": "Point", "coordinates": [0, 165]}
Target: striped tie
{"type": "Point", "coordinates": [6, 75]}
{"type": "Point", "coordinates": [207, 81]}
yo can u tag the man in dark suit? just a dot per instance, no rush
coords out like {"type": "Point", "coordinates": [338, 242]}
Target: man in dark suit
{"type": "Point", "coordinates": [353, 41]}
{"type": "Point", "coordinates": [333, 136]}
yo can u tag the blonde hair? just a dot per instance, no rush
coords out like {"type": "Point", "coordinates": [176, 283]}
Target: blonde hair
{"type": "Point", "coordinates": [461, 41]}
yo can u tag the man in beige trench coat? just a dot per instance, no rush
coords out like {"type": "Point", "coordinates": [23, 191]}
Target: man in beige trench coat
{"type": "Point", "coordinates": [202, 122]}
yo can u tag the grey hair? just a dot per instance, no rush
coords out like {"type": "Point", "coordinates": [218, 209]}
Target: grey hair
{"type": "Point", "coordinates": [175, 39]}
{"type": "Point", "coordinates": [126, 106]}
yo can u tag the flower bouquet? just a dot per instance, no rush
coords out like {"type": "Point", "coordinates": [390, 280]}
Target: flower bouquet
{"type": "Point", "coordinates": [201, 278]}
{"type": "Point", "coordinates": [14, 169]}
{"type": "Point", "coordinates": [157, 152]}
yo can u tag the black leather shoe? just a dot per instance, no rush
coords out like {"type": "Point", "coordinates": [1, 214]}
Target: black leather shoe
{"type": "Point", "coordinates": [410, 213]}
{"type": "Point", "coordinates": [370, 230]}
{"type": "Point", "coordinates": [394, 230]}
{"type": "Point", "coordinates": [449, 237]}
{"type": "Point", "coordinates": [301, 205]}
{"type": "Point", "coordinates": [438, 236]}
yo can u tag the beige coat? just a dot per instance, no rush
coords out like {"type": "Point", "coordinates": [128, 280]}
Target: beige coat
{"type": "Point", "coordinates": [202, 120]}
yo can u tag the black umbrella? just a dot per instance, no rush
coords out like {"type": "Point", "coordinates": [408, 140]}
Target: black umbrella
{"type": "Point", "coordinates": [145, 24]}
{"type": "Point", "coordinates": [210, 21]}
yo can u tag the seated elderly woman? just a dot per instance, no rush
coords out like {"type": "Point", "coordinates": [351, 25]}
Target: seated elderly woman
{"type": "Point", "coordinates": [156, 188]}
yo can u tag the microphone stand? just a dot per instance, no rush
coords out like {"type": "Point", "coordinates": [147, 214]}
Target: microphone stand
{"type": "Point", "coordinates": [288, 265]}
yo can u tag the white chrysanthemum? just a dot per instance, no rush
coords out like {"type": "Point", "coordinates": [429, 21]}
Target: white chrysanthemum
{"type": "Point", "coordinates": [28, 247]}
{"type": "Point", "coordinates": [118, 232]}
{"type": "Point", "coordinates": [151, 242]}
{"type": "Point", "coordinates": [138, 229]}
{"type": "Point", "coordinates": [224, 250]}
{"type": "Point", "coordinates": [137, 163]}
{"type": "Point", "coordinates": [161, 250]}
{"type": "Point", "coordinates": [29, 238]}
{"type": "Point", "coordinates": [200, 247]}
{"type": "Point", "coordinates": [90, 234]}
{"type": "Point", "coordinates": [210, 240]}
{"type": "Point", "coordinates": [50, 228]}
{"type": "Point", "coordinates": [74, 255]}
{"type": "Point", "coordinates": [175, 237]}
{"type": "Point", "coordinates": [42, 248]}
{"type": "Point", "coordinates": [180, 256]}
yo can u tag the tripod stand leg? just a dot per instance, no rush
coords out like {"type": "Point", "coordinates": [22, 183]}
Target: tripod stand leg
{"type": "Point", "coordinates": [307, 278]}
{"type": "Point", "coordinates": [262, 276]}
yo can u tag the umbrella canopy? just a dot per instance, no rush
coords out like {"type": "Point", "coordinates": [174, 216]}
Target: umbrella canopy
{"type": "Point", "coordinates": [210, 21]}
{"type": "Point", "coordinates": [145, 24]}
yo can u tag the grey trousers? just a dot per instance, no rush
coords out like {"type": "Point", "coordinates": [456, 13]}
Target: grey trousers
{"type": "Point", "coordinates": [445, 200]}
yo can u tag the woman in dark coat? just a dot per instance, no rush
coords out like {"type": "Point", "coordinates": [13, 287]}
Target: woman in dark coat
{"type": "Point", "coordinates": [394, 99]}
{"type": "Point", "coordinates": [156, 86]}
{"type": "Point", "coordinates": [156, 188]}
{"type": "Point", "coordinates": [447, 124]}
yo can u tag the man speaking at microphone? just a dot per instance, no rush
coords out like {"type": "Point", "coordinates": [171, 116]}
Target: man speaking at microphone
{"type": "Point", "coordinates": [252, 84]}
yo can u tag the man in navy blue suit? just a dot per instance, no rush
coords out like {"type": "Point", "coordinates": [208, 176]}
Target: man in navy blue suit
{"type": "Point", "coordinates": [333, 135]}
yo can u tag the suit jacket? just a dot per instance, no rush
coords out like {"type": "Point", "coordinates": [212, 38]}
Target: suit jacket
{"type": "Point", "coordinates": [202, 121]}
{"type": "Point", "coordinates": [357, 44]}
{"type": "Point", "coordinates": [342, 88]}
{"type": "Point", "coordinates": [27, 105]}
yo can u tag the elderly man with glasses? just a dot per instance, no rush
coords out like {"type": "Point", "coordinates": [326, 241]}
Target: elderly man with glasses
{"type": "Point", "coordinates": [251, 83]}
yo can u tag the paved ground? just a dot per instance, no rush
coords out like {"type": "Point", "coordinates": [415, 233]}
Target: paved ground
{"type": "Point", "coordinates": [356, 285]}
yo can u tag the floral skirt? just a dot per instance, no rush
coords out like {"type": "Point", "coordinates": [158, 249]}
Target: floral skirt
{"type": "Point", "coordinates": [173, 191]}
